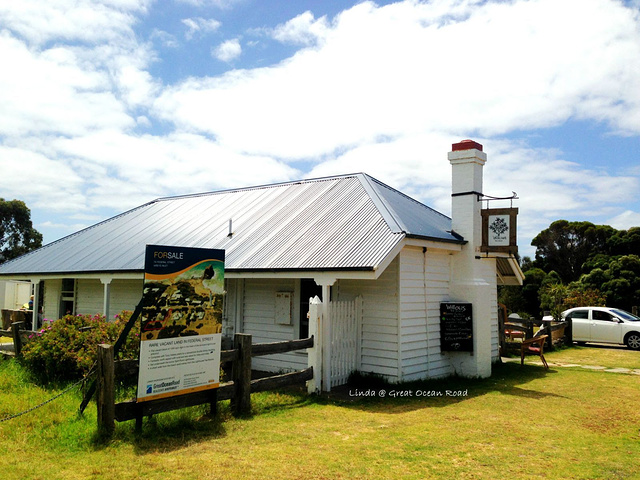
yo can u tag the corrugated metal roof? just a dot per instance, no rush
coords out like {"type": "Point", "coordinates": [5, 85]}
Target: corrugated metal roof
{"type": "Point", "coordinates": [334, 223]}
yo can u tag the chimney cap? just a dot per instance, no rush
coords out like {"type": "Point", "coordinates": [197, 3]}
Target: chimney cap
{"type": "Point", "coordinates": [466, 145]}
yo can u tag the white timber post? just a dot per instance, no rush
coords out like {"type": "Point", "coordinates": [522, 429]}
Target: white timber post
{"type": "Point", "coordinates": [314, 354]}
{"type": "Point", "coordinates": [106, 281]}
{"type": "Point", "coordinates": [325, 281]}
{"type": "Point", "coordinates": [35, 314]}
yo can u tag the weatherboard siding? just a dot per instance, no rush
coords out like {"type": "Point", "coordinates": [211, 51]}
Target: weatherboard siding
{"type": "Point", "coordinates": [125, 295]}
{"type": "Point", "coordinates": [379, 343]}
{"type": "Point", "coordinates": [259, 320]}
{"type": "Point", "coordinates": [495, 342]}
{"type": "Point", "coordinates": [51, 301]}
{"type": "Point", "coordinates": [424, 283]}
{"type": "Point", "coordinates": [89, 296]}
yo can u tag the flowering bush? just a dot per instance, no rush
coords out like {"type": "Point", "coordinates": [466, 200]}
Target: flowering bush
{"type": "Point", "coordinates": [67, 348]}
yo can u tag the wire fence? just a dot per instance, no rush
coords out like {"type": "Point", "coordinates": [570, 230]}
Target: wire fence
{"type": "Point", "coordinates": [46, 402]}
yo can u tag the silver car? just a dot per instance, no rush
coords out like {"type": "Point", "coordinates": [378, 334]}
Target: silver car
{"type": "Point", "coordinates": [604, 325]}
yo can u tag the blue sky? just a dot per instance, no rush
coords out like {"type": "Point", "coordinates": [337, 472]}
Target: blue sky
{"type": "Point", "coordinates": [108, 104]}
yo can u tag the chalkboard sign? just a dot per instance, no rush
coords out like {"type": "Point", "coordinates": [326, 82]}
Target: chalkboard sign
{"type": "Point", "coordinates": [456, 327]}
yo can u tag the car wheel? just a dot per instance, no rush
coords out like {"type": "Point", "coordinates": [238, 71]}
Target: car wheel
{"type": "Point", "coordinates": [633, 341]}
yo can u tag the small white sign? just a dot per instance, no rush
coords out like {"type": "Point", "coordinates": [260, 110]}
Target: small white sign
{"type": "Point", "coordinates": [499, 226]}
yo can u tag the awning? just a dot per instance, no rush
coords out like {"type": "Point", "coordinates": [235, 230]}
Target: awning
{"type": "Point", "coordinates": [508, 271]}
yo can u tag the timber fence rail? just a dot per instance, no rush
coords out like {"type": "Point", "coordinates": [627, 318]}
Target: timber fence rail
{"type": "Point", "coordinates": [19, 335]}
{"type": "Point", "coordinates": [238, 390]}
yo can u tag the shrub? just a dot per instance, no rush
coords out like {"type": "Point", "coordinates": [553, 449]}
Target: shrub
{"type": "Point", "coordinates": [67, 348]}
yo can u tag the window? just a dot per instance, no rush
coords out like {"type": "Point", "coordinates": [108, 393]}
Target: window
{"type": "Point", "coordinates": [600, 315]}
{"type": "Point", "coordinates": [579, 314]}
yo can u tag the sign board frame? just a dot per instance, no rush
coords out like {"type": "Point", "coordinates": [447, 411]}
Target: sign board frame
{"type": "Point", "coordinates": [499, 230]}
{"type": "Point", "coordinates": [456, 327]}
{"type": "Point", "coordinates": [181, 324]}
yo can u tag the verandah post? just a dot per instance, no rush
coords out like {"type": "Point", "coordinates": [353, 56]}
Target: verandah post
{"type": "Point", "coordinates": [105, 397]}
{"type": "Point", "coordinates": [314, 358]}
{"type": "Point", "coordinates": [241, 373]}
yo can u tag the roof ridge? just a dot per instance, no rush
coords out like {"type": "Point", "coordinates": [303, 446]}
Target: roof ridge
{"type": "Point", "coordinates": [387, 212]}
{"type": "Point", "coordinates": [257, 187]}
{"type": "Point", "coordinates": [382, 184]}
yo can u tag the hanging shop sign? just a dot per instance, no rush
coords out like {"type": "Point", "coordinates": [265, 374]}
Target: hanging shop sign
{"type": "Point", "coordinates": [499, 230]}
{"type": "Point", "coordinates": [181, 321]}
{"type": "Point", "coordinates": [456, 327]}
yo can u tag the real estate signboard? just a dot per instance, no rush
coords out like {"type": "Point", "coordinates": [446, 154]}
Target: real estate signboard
{"type": "Point", "coordinates": [180, 337]}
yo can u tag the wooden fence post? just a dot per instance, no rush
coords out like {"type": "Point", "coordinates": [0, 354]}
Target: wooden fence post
{"type": "Point", "coordinates": [241, 373]}
{"type": "Point", "coordinates": [17, 339]}
{"type": "Point", "coordinates": [634, 310]}
{"type": "Point", "coordinates": [547, 330]}
{"type": "Point", "coordinates": [105, 397]}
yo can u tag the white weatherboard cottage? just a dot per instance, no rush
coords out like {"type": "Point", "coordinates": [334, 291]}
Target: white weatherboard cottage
{"type": "Point", "coordinates": [380, 262]}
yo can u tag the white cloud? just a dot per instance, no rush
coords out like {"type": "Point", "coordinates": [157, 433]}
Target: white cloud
{"type": "Point", "coordinates": [403, 69]}
{"type": "Point", "coordinates": [625, 220]}
{"type": "Point", "coordinates": [221, 4]}
{"type": "Point", "coordinates": [301, 30]}
{"type": "Point", "coordinates": [40, 180]}
{"type": "Point", "coordinates": [201, 25]}
{"type": "Point", "coordinates": [384, 90]}
{"type": "Point", "coordinates": [228, 50]}
{"type": "Point", "coordinates": [165, 38]}
{"type": "Point", "coordinates": [39, 21]}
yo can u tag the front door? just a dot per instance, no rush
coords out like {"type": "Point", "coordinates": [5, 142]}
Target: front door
{"type": "Point", "coordinates": [308, 289]}
{"type": "Point", "coordinates": [581, 325]}
{"type": "Point", "coordinates": [605, 327]}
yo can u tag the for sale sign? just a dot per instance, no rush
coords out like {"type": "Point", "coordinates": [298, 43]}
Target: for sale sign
{"type": "Point", "coordinates": [181, 328]}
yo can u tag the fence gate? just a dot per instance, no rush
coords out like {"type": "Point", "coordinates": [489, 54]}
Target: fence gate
{"type": "Point", "coordinates": [346, 321]}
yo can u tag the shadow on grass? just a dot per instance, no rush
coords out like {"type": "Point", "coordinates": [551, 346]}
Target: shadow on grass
{"type": "Point", "coordinates": [174, 430]}
{"type": "Point", "coordinates": [166, 432]}
{"type": "Point", "coordinates": [373, 394]}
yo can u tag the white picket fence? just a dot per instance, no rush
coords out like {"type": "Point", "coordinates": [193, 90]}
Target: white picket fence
{"type": "Point", "coordinates": [345, 339]}
{"type": "Point", "coordinates": [336, 354]}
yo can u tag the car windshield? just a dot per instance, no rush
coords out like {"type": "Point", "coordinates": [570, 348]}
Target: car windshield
{"type": "Point", "coordinates": [626, 315]}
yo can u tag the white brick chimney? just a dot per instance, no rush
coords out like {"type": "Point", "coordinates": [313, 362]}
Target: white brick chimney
{"type": "Point", "coordinates": [473, 276]}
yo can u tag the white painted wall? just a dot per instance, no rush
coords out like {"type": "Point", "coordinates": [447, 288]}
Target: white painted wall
{"type": "Point", "coordinates": [380, 328]}
{"type": "Point", "coordinates": [259, 320]}
{"type": "Point", "coordinates": [14, 294]}
{"type": "Point", "coordinates": [424, 284]}
{"type": "Point", "coordinates": [89, 296]}
{"type": "Point", "coordinates": [125, 295]}
{"type": "Point", "coordinates": [51, 303]}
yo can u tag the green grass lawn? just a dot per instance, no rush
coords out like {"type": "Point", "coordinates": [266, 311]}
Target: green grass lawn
{"type": "Point", "coordinates": [522, 423]}
{"type": "Point", "coordinates": [610, 356]}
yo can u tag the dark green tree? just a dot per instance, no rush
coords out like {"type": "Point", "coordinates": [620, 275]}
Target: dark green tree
{"type": "Point", "coordinates": [17, 235]}
{"type": "Point", "coordinates": [565, 246]}
{"type": "Point", "coordinates": [625, 242]}
{"type": "Point", "coordinates": [619, 281]}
